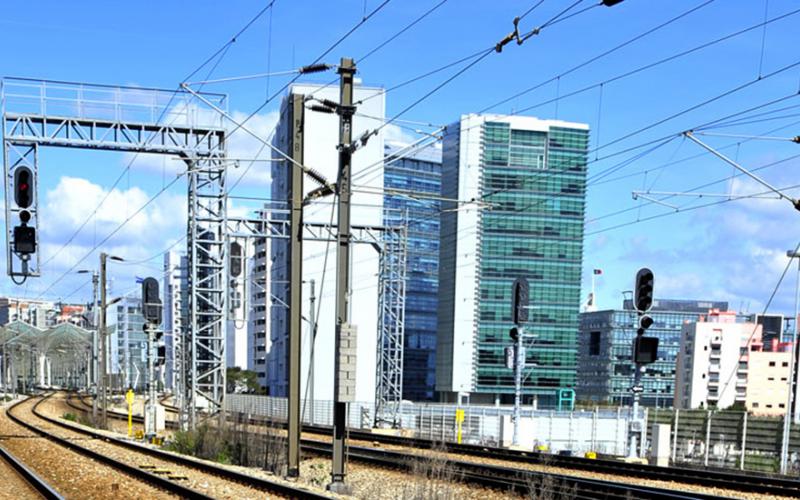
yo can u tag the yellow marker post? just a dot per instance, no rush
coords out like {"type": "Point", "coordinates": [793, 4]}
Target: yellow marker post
{"type": "Point", "coordinates": [129, 399]}
{"type": "Point", "coordinates": [459, 421]}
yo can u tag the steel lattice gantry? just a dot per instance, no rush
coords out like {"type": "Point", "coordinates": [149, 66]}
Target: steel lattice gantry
{"type": "Point", "coordinates": [391, 324]}
{"type": "Point", "coordinates": [391, 243]}
{"type": "Point", "coordinates": [140, 120]}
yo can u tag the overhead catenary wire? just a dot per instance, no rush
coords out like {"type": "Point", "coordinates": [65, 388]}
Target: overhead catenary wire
{"type": "Point", "coordinates": [221, 52]}
{"type": "Point", "coordinates": [375, 49]}
{"type": "Point", "coordinates": [599, 56]}
{"type": "Point", "coordinates": [251, 115]}
{"type": "Point", "coordinates": [662, 61]}
{"type": "Point", "coordinates": [483, 55]}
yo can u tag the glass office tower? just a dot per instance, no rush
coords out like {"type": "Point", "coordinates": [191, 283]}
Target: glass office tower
{"type": "Point", "coordinates": [420, 174]}
{"type": "Point", "coordinates": [520, 182]}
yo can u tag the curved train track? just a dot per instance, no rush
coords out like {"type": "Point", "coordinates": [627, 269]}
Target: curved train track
{"type": "Point", "coordinates": [261, 484]}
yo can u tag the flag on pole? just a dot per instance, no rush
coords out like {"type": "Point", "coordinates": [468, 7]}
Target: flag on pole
{"type": "Point", "coordinates": [598, 271]}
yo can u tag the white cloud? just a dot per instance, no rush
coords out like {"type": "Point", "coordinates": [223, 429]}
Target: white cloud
{"type": "Point", "coordinates": [73, 200]}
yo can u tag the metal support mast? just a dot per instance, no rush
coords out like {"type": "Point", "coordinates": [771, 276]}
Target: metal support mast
{"type": "Point", "coordinates": [295, 286]}
{"type": "Point", "coordinates": [391, 324]}
{"type": "Point", "coordinates": [204, 342]}
{"type": "Point", "coordinates": [787, 417]}
{"type": "Point", "coordinates": [101, 328]}
{"type": "Point", "coordinates": [94, 365]}
{"type": "Point", "coordinates": [519, 366]}
{"type": "Point", "coordinates": [312, 327]}
{"type": "Point", "coordinates": [345, 333]}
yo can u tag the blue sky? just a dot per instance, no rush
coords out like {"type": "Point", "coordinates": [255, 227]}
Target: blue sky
{"type": "Point", "coordinates": [732, 251]}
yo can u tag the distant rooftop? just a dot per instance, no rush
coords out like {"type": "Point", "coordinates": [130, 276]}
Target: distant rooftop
{"type": "Point", "coordinates": [681, 305]}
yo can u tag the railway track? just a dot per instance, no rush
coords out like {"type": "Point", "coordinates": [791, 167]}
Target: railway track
{"type": "Point", "coordinates": [162, 469]}
{"type": "Point", "coordinates": [752, 483]}
{"type": "Point", "coordinates": [493, 476]}
{"type": "Point", "coordinates": [535, 484]}
{"type": "Point", "coordinates": [28, 480]}
{"type": "Point", "coordinates": [746, 483]}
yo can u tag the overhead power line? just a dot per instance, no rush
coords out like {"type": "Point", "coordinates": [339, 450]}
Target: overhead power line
{"type": "Point", "coordinates": [221, 52]}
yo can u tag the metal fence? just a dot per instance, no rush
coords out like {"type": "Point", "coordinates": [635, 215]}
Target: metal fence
{"type": "Point", "coordinates": [727, 439]}
{"type": "Point", "coordinates": [600, 430]}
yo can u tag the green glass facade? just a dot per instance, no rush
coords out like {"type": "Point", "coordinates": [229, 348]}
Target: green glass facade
{"type": "Point", "coordinates": [535, 182]}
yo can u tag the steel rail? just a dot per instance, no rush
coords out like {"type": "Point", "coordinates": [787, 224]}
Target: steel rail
{"type": "Point", "coordinates": [520, 481]}
{"type": "Point", "coordinates": [750, 482]}
{"type": "Point", "coordinates": [139, 474]}
{"type": "Point", "coordinates": [205, 467]}
{"type": "Point", "coordinates": [497, 477]}
{"type": "Point", "coordinates": [30, 477]}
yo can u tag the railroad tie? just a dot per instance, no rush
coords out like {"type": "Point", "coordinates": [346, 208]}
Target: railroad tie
{"type": "Point", "coordinates": [161, 471]}
{"type": "Point", "coordinates": [177, 477]}
{"type": "Point", "coordinates": [147, 466]}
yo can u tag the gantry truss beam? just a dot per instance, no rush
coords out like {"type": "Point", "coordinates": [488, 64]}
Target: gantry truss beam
{"type": "Point", "coordinates": [24, 129]}
{"type": "Point", "coordinates": [139, 120]}
{"type": "Point", "coordinates": [391, 244]}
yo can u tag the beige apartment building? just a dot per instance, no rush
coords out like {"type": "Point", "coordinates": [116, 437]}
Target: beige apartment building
{"type": "Point", "coordinates": [721, 362]}
{"type": "Point", "coordinates": [768, 381]}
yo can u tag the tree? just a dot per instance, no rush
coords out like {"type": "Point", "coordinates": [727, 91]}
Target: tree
{"type": "Point", "coordinates": [239, 380]}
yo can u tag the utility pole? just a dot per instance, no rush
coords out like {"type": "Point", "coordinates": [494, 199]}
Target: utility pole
{"type": "Point", "coordinates": [101, 328]}
{"type": "Point", "coordinates": [295, 286]}
{"type": "Point", "coordinates": [312, 321]}
{"type": "Point", "coordinates": [345, 332]}
{"type": "Point", "coordinates": [788, 417]}
{"type": "Point", "coordinates": [95, 283]}
{"type": "Point", "coordinates": [519, 314]}
{"type": "Point", "coordinates": [644, 352]}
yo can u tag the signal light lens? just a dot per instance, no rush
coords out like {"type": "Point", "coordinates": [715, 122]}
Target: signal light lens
{"type": "Point", "coordinates": [23, 187]}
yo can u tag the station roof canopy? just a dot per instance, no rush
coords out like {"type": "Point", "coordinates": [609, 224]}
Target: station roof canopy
{"type": "Point", "coordinates": [60, 336]}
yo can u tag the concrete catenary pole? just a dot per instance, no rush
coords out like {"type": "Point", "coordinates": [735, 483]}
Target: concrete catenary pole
{"type": "Point", "coordinates": [295, 287]}
{"type": "Point", "coordinates": [347, 71]}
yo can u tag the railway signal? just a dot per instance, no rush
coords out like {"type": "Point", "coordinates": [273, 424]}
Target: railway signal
{"type": "Point", "coordinates": [151, 302]}
{"type": "Point", "coordinates": [24, 242]}
{"type": "Point", "coordinates": [643, 291]}
{"type": "Point", "coordinates": [519, 301]}
{"type": "Point", "coordinates": [23, 187]}
{"type": "Point", "coordinates": [151, 310]}
{"type": "Point", "coordinates": [644, 349]}
{"type": "Point", "coordinates": [519, 313]}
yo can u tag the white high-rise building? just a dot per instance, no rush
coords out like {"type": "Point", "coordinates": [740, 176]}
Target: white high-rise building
{"type": "Point", "coordinates": [321, 136]}
{"type": "Point", "coordinates": [721, 363]}
{"type": "Point", "coordinates": [259, 306]}
{"type": "Point", "coordinates": [175, 311]}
